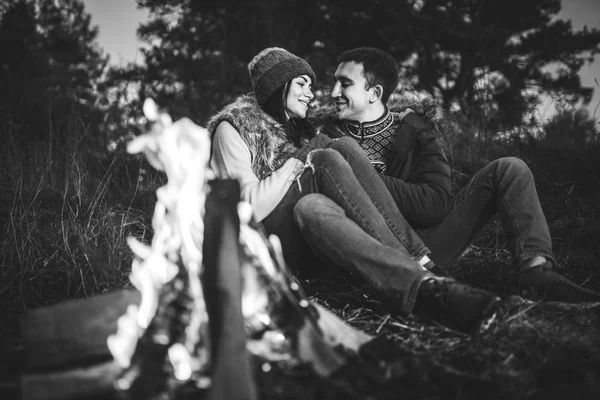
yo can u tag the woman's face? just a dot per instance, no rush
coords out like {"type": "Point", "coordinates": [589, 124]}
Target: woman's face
{"type": "Point", "coordinates": [298, 97]}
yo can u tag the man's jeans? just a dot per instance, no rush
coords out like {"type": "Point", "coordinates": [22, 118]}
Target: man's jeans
{"type": "Point", "coordinates": [352, 222]}
{"type": "Point", "coordinates": [505, 187]}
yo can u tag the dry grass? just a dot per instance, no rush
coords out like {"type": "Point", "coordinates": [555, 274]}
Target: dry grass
{"type": "Point", "coordinates": [77, 250]}
{"type": "Point", "coordinates": [67, 240]}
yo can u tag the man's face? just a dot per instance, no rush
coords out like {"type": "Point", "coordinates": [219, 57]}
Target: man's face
{"type": "Point", "coordinates": [349, 93]}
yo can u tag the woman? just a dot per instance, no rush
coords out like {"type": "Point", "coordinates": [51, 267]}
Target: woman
{"type": "Point", "coordinates": [266, 142]}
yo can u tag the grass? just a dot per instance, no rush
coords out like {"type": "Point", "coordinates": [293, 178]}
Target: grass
{"type": "Point", "coordinates": [65, 220]}
{"type": "Point", "coordinates": [75, 251]}
{"type": "Point", "coordinates": [66, 244]}
{"type": "Point", "coordinates": [65, 238]}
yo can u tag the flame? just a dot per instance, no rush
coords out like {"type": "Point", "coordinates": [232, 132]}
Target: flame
{"type": "Point", "coordinates": [182, 151]}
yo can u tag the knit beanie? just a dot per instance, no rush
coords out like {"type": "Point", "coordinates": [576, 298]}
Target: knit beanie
{"type": "Point", "coordinates": [272, 68]}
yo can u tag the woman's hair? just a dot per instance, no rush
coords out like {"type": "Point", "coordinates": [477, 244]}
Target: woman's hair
{"type": "Point", "coordinates": [296, 128]}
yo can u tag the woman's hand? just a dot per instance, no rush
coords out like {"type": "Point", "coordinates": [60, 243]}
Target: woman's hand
{"type": "Point", "coordinates": [320, 141]}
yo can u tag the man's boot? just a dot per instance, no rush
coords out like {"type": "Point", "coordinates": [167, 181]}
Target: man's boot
{"type": "Point", "coordinates": [456, 305]}
{"type": "Point", "coordinates": [542, 283]}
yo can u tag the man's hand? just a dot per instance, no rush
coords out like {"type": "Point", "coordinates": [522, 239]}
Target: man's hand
{"type": "Point", "coordinates": [419, 110]}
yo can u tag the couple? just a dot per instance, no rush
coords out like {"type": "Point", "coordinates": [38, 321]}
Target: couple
{"type": "Point", "coordinates": [369, 190]}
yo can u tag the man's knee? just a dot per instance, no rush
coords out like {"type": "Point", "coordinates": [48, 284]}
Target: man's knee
{"type": "Point", "coordinates": [512, 165]}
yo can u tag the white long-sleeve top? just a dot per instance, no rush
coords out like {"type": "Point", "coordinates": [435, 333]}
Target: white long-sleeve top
{"type": "Point", "coordinates": [231, 158]}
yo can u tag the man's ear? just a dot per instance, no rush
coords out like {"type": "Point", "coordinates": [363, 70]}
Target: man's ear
{"type": "Point", "coordinates": [376, 93]}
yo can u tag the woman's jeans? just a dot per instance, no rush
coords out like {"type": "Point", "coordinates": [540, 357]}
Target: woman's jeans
{"type": "Point", "coordinates": [343, 211]}
{"type": "Point", "coordinates": [505, 187]}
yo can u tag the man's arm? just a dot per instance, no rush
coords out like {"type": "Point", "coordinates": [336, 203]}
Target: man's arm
{"type": "Point", "coordinates": [425, 196]}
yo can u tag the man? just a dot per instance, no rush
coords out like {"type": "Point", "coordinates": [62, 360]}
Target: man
{"type": "Point", "coordinates": [405, 150]}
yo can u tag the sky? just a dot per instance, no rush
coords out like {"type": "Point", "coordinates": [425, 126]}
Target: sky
{"type": "Point", "coordinates": [118, 21]}
{"type": "Point", "coordinates": [585, 13]}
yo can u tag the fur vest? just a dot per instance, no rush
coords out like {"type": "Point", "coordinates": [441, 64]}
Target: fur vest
{"type": "Point", "coordinates": [266, 138]}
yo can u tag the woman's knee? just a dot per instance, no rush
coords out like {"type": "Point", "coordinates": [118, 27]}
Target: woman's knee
{"type": "Point", "coordinates": [311, 207]}
{"type": "Point", "coordinates": [303, 210]}
{"type": "Point", "coordinates": [347, 146]}
{"type": "Point", "coordinates": [326, 158]}
{"type": "Point", "coordinates": [352, 152]}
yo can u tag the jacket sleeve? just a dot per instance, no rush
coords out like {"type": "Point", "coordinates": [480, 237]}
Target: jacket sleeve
{"type": "Point", "coordinates": [424, 197]}
{"type": "Point", "coordinates": [231, 158]}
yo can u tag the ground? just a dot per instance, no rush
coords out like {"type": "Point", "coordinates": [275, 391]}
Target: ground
{"type": "Point", "coordinates": [535, 350]}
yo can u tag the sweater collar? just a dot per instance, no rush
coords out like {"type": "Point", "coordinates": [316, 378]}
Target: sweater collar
{"type": "Point", "coordinates": [369, 128]}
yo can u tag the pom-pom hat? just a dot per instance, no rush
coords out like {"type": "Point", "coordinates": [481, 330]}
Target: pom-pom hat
{"type": "Point", "coordinates": [272, 68]}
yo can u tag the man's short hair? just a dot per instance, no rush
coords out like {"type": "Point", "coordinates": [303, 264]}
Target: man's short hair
{"type": "Point", "coordinates": [379, 68]}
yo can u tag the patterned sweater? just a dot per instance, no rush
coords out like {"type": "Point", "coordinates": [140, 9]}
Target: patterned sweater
{"type": "Point", "coordinates": [375, 138]}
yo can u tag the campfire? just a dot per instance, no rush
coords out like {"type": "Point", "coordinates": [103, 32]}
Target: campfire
{"type": "Point", "coordinates": [167, 342]}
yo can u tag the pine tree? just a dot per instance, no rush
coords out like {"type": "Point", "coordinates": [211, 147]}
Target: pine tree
{"type": "Point", "coordinates": [478, 57]}
{"type": "Point", "coordinates": [495, 54]}
{"type": "Point", "coordinates": [49, 84]}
